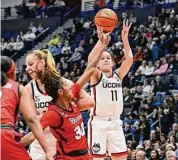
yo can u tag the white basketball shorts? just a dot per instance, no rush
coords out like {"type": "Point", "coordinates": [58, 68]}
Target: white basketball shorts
{"type": "Point", "coordinates": [35, 150]}
{"type": "Point", "coordinates": [105, 135]}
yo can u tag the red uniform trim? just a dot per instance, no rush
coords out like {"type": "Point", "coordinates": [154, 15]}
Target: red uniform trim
{"type": "Point", "coordinates": [94, 109]}
{"type": "Point", "coordinates": [91, 136]}
{"type": "Point", "coordinates": [12, 68]}
{"type": "Point", "coordinates": [119, 154]}
{"type": "Point", "coordinates": [99, 155]}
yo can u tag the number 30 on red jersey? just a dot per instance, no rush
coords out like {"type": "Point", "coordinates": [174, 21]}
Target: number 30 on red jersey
{"type": "Point", "coordinates": [79, 131]}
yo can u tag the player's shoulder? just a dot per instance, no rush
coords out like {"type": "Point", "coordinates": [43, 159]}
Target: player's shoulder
{"type": "Point", "coordinates": [28, 87]}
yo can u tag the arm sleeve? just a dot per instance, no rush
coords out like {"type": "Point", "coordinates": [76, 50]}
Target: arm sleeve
{"type": "Point", "coordinates": [51, 119]}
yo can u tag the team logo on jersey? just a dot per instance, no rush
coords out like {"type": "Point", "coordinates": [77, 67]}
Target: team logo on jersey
{"type": "Point", "coordinates": [111, 85]}
{"type": "Point", "coordinates": [37, 99]}
{"type": "Point", "coordinates": [96, 147]}
{"type": "Point", "coordinates": [75, 120]}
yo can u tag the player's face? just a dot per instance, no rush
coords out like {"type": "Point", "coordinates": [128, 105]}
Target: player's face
{"type": "Point", "coordinates": [67, 91]}
{"type": "Point", "coordinates": [31, 65]}
{"type": "Point", "coordinates": [106, 63]}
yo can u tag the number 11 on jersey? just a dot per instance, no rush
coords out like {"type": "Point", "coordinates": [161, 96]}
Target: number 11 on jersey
{"type": "Point", "coordinates": [114, 95]}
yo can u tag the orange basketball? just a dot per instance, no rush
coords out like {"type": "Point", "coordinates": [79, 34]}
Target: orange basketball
{"type": "Point", "coordinates": [107, 19]}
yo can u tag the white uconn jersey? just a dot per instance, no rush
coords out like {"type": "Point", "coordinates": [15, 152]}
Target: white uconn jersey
{"type": "Point", "coordinates": [41, 100]}
{"type": "Point", "coordinates": [108, 96]}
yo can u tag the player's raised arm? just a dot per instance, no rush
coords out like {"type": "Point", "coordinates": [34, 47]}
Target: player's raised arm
{"type": "Point", "coordinates": [127, 63]}
{"type": "Point", "coordinates": [92, 65]}
{"type": "Point", "coordinates": [103, 38]}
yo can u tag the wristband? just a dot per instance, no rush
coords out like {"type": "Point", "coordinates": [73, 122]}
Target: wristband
{"type": "Point", "coordinates": [75, 90]}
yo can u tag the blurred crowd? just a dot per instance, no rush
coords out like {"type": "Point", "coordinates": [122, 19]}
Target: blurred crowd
{"type": "Point", "coordinates": [38, 9]}
{"type": "Point", "coordinates": [150, 89]}
{"type": "Point", "coordinates": [20, 41]}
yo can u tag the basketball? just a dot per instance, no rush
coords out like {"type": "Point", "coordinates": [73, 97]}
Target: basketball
{"type": "Point", "coordinates": [107, 19]}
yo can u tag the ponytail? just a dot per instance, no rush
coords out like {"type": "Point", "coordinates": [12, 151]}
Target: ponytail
{"type": "Point", "coordinates": [4, 78]}
{"type": "Point", "coordinates": [49, 60]}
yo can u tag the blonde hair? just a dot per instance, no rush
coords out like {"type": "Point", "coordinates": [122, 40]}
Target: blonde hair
{"type": "Point", "coordinates": [47, 56]}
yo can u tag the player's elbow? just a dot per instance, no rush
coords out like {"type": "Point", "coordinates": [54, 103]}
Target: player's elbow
{"type": "Point", "coordinates": [91, 103]}
{"type": "Point", "coordinates": [31, 120]}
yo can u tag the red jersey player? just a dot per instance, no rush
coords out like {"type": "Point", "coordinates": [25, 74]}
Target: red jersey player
{"type": "Point", "coordinates": [10, 92]}
{"type": "Point", "coordinates": [63, 116]}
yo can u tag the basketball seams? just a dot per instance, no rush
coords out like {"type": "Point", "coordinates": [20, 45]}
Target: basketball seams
{"type": "Point", "coordinates": [107, 18]}
{"type": "Point", "coordinates": [106, 25]}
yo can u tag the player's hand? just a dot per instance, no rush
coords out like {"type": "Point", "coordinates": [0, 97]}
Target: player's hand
{"type": "Point", "coordinates": [125, 29]}
{"type": "Point", "coordinates": [49, 156]}
{"type": "Point", "coordinates": [103, 37]}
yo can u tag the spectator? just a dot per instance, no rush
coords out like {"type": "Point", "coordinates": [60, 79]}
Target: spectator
{"type": "Point", "coordinates": [127, 132]}
{"type": "Point", "coordinates": [40, 29]}
{"type": "Point", "coordinates": [166, 26]}
{"type": "Point", "coordinates": [76, 56]}
{"type": "Point", "coordinates": [3, 44]}
{"type": "Point", "coordinates": [21, 35]}
{"type": "Point", "coordinates": [140, 155]}
{"type": "Point", "coordinates": [162, 153]}
{"type": "Point", "coordinates": [139, 55]}
{"type": "Point", "coordinates": [77, 26]}
{"type": "Point", "coordinates": [171, 155]}
{"type": "Point", "coordinates": [163, 68]}
{"type": "Point", "coordinates": [145, 127]}
{"type": "Point", "coordinates": [143, 67]}
{"type": "Point", "coordinates": [153, 137]}
{"type": "Point", "coordinates": [66, 48]}
{"type": "Point", "coordinates": [154, 155]}
{"type": "Point", "coordinates": [162, 139]}
{"type": "Point", "coordinates": [54, 41]}
{"type": "Point", "coordinates": [174, 131]}
{"type": "Point", "coordinates": [132, 19]}
{"type": "Point", "coordinates": [19, 45]}
{"type": "Point", "coordinates": [9, 51]}
{"type": "Point", "coordinates": [32, 28]}
{"type": "Point", "coordinates": [41, 3]}
{"type": "Point", "coordinates": [147, 90]}
{"type": "Point", "coordinates": [148, 148]}
{"type": "Point", "coordinates": [149, 69]}
{"type": "Point", "coordinates": [59, 3]}
{"type": "Point", "coordinates": [29, 36]}
{"type": "Point", "coordinates": [87, 24]}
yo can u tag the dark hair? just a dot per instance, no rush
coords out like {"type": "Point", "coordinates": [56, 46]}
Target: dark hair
{"type": "Point", "coordinates": [157, 154]}
{"type": "Point", "coordinates": [52, 82]}
{"type": "Point", "coordinates": [5, 66]}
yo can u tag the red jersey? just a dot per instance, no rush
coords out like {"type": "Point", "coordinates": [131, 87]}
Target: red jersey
{"type": "Point", "coordinates": [68, 128]}
{"type": "Point", "coordinates": [9, 102]}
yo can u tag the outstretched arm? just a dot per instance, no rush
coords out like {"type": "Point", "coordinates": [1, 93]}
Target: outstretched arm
{"type": "Point", "coordinates": [103, 38]}
{"type": "Point", "coordinates": [127, 63]}
{"type": "Point", "coordinates": [94, 57]}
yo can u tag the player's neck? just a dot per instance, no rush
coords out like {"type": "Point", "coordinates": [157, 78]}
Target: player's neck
{"type": "Point", "coordinates": [108, 73]}
{"type": "Point", "coordinates": [63, 103]}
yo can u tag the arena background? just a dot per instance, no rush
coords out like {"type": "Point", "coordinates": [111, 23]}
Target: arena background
{"type": "Point", "coordinates": [66, 28]}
